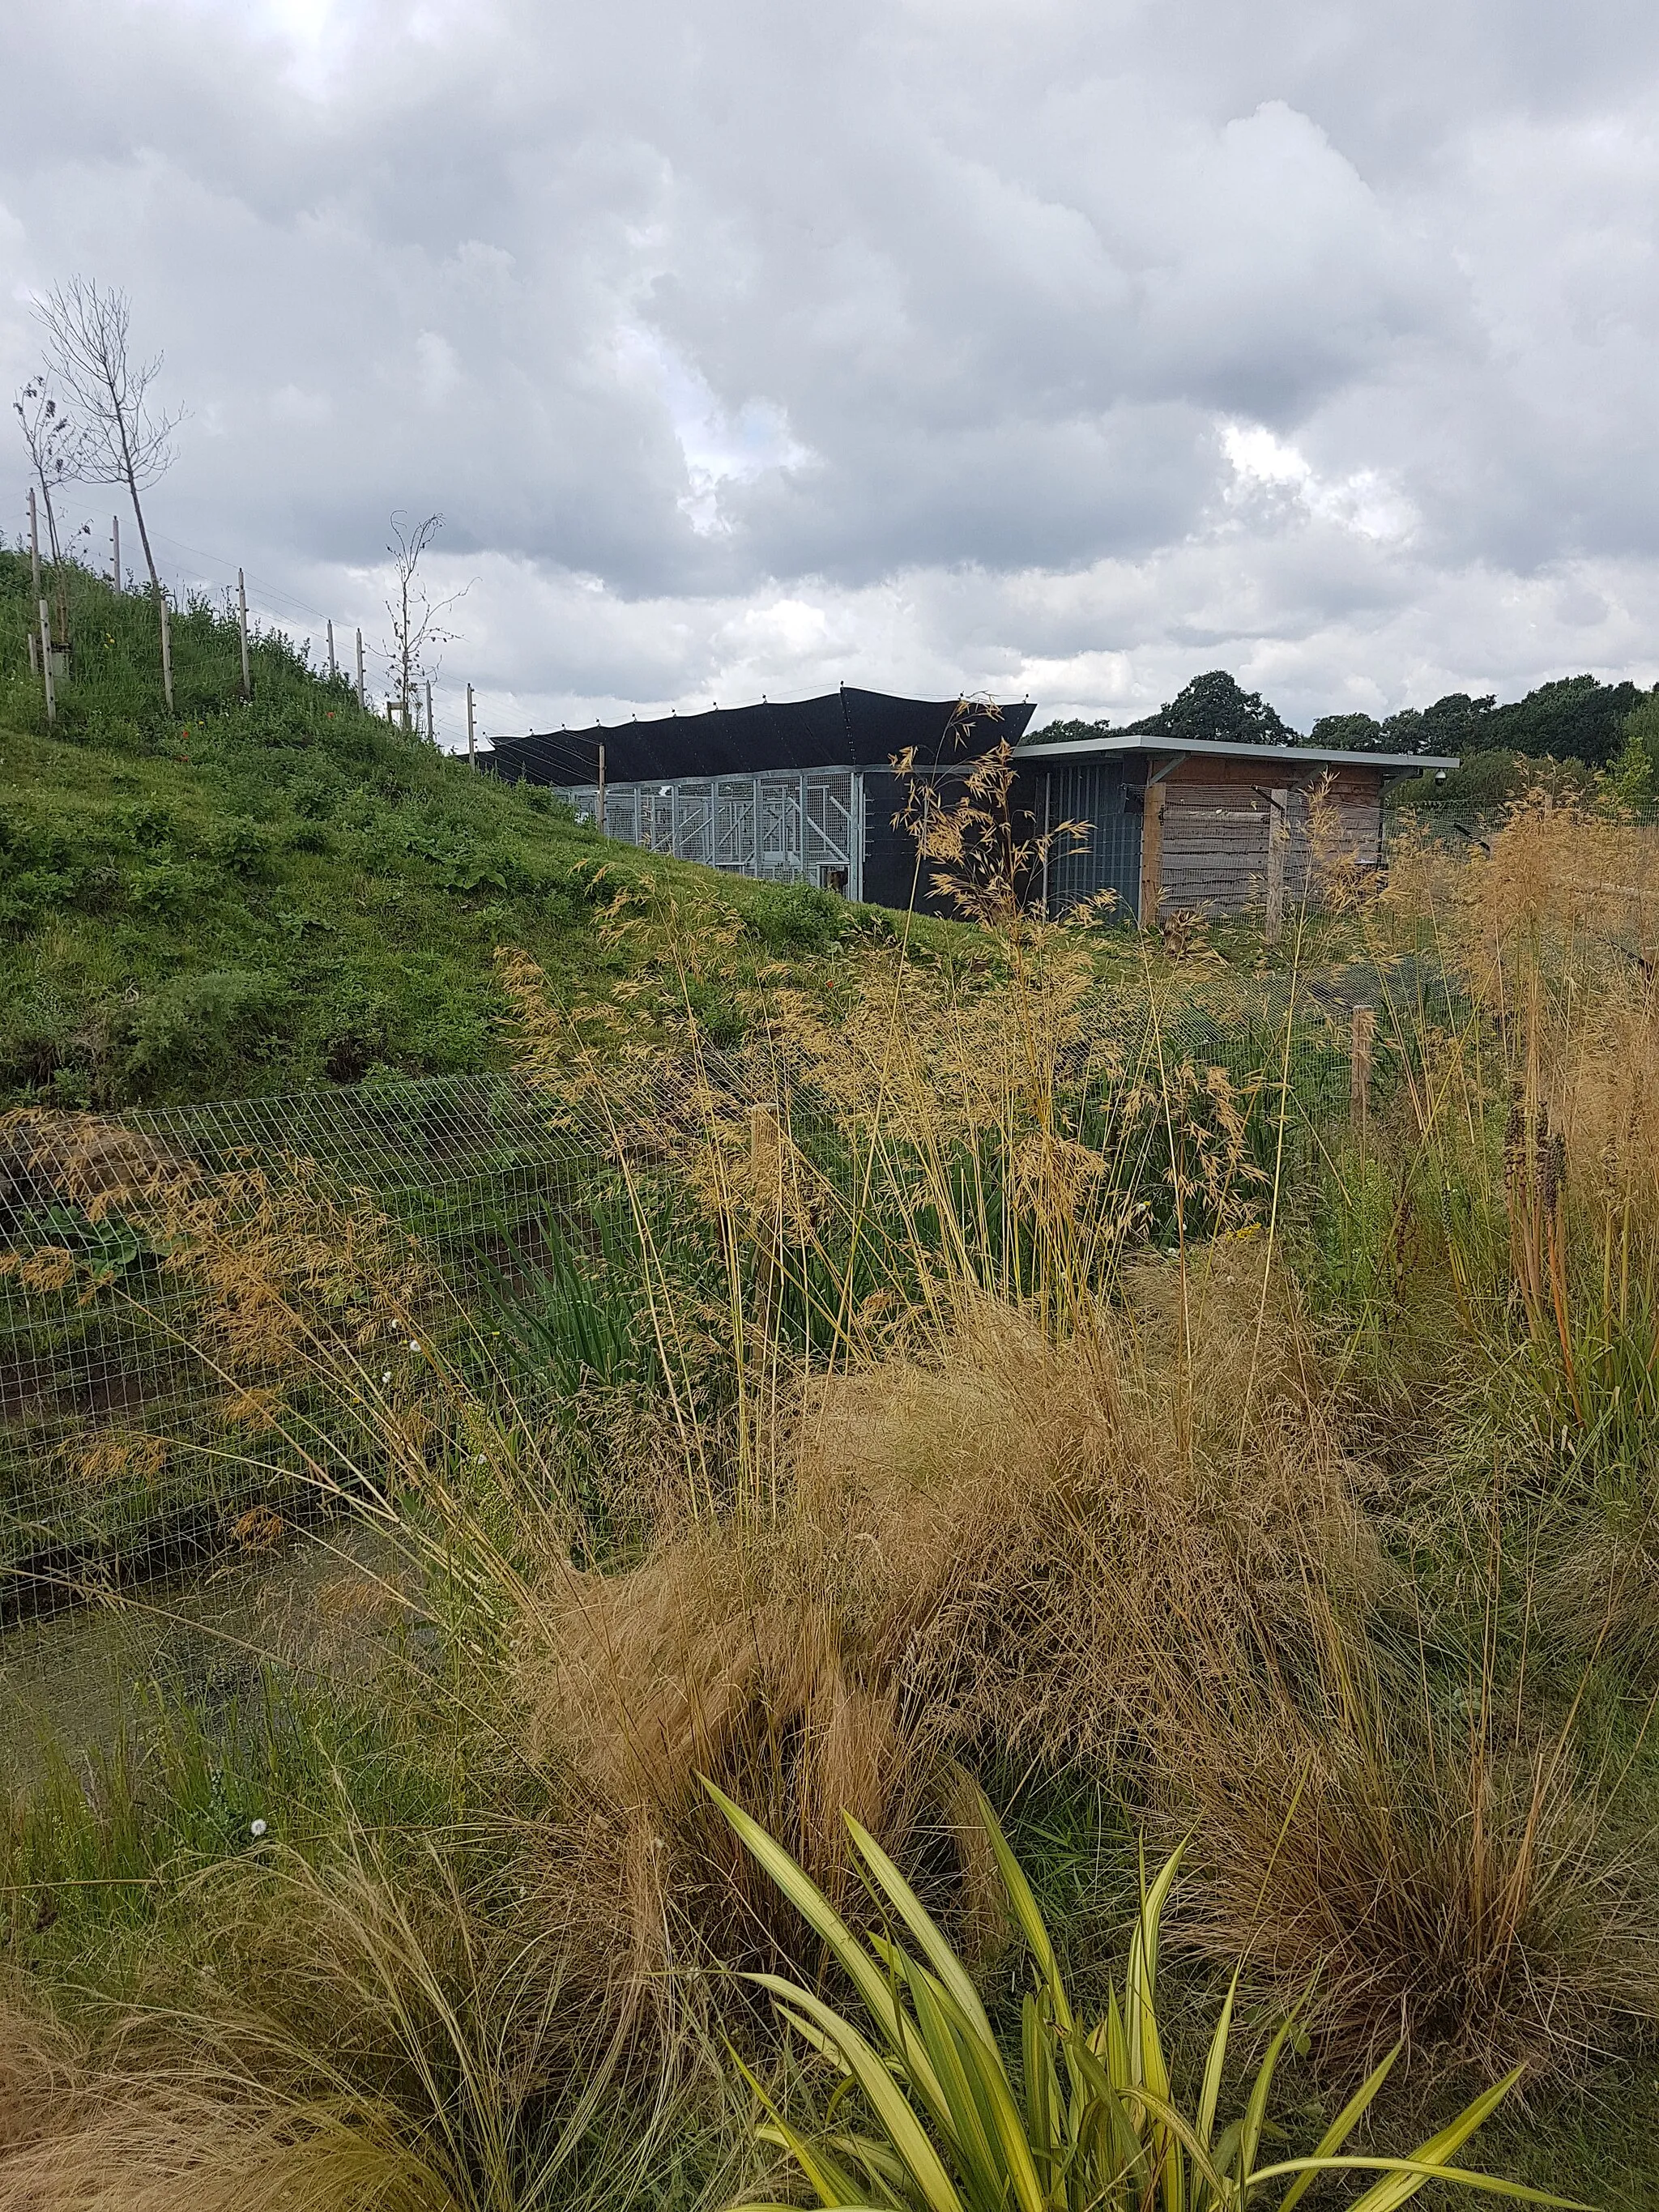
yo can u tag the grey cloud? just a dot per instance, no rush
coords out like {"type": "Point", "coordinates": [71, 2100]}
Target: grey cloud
{"type": "Point", "coordinates": [902, 342]}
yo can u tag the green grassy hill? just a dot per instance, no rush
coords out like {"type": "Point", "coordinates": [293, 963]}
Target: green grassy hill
{"type": "Point", "coordinates": [255, 896]}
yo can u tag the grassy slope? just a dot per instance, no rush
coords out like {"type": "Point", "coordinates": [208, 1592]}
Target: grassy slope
{"type": "Point", "coordinates": [252, 898]}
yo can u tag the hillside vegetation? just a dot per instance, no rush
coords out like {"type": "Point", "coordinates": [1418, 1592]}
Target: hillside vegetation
{"type": "Point", "coordinates": [989, 1393]}
{"type": "Point", "coordinates": [254, 896]}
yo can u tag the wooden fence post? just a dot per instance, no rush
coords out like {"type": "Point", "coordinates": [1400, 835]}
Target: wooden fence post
{"type": "Point", "coordinates": [167, 653]}
{"type": "Point", "coordinates": [34, 544]}
{"type": "Point", "coordinates": [1151, 853]}
{"type": "Point", "coordinates": [1278, 831]}
{"type": "Point", "coordinates": [241, 624]}
{"type": "Point", "coordinates": [1362, 1029]}
{"type": "Point", "coordinates": [333, 672]}
{"type": "Point", "coordinates": [115, 549]}
{"type": "Point", "coordinates": [363, 701]}
{"type": "Point", "coordinates": [45, 657]}
{"type": "Point", "coordinates": [471, 741]}
{"type": "Point", "coordinates": [431, 734]}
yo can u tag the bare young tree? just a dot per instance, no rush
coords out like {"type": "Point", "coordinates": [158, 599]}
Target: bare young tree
{"type": "Point", "coordinates": [50, 437]}
{"type": "Point", "coordinates": [123, 438]}
{"type": "Point", "coordinates": [53, 444]}
{"type": "Point", "coordinates": [417, 624]}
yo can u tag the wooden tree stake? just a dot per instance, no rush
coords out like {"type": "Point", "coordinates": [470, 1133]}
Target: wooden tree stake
{"type": "Point", "coordinates": [115, 550]}
{"type": "Point", "coordinates": [241, 624]}
{"type": "Point", "coordinates": [45, 653]}
{"type": "Point", "coordinates": [1362, 1030]}
{"type": "Point", "coordinates": [332, 671]}
{"type": "Point", "coordinates": [167, 652]}
{"type": "Point", "coordinates": [35, 543]}
{"type": "Point", "coordinates": [471, 741]}
{"type": "Point", "coordinates": [362, 700]}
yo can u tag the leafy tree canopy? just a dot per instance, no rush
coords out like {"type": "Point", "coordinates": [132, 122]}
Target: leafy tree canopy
{"type": "Point", "coordinates": [1215, 708]}
{"type": "Point", "coordinates": [1354, 733]}
{"type": "Point", "coordinates": [1065, 733]}
{"type": "Point", "coordinates": [1576, 718]}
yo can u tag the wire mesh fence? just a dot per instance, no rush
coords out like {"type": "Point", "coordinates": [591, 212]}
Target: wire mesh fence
{"type": "Point", "coordinates": [204, 1309]}
{"type": "Point", "coordinates": [199, 1304]}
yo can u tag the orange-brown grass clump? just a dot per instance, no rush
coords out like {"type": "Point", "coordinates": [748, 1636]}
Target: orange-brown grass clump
{"type": "Point", "coordinates": [1450, 1879]}
{"type": "Point", "coordinates": [1009, 1544]}
{"type": "Point", "coordinates": [362, 2033]}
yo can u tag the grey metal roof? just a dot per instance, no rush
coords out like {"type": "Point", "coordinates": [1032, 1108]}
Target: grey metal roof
{"type": "Point", "coordinates": [1031, 752]}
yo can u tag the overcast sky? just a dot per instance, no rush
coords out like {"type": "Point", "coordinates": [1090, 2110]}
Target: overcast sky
{"type": "Point", "coordinates": [1054, 348]}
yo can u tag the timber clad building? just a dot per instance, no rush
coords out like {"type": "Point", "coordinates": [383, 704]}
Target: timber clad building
{"type": "Point", "coordinates": [1215, 828]}
{"type": "Point", "coordinates": [806, 791]}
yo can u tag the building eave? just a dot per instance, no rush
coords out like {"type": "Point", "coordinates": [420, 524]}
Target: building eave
{"type": "Point", "coordinates": [1031, 754]}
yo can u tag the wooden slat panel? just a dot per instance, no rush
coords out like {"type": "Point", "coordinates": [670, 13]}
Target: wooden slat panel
{"type": "Point", "coordinates": [1213, 832]}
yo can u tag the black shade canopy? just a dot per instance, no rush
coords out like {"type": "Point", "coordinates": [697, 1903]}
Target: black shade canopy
{"type": "Point", "coordinates": [847, 728]}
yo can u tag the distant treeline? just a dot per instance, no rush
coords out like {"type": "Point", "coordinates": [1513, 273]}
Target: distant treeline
{"type": "Point", "coordinates": [1575, 719]}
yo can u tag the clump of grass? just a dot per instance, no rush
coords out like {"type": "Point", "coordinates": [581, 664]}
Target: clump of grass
{"type": "Point", "coordinates": [1439, 1880]}
{"type": "Point", "coordinates": [369, 2035]}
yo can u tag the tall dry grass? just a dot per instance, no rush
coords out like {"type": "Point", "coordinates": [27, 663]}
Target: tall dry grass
{"type": "Point", "coordinates": [946, 1470]}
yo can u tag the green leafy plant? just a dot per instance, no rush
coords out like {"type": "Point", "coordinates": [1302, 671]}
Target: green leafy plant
{"type": "Point", "coordinates": [1089, 2116]}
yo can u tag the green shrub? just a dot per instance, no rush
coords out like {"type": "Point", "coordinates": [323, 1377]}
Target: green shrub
{"type": "Point", "coordinates": [38, 872]}
{"type": "Point", "coordinates": [204, 1024]}
{"type": "Point", "coordinates": [796, 917]}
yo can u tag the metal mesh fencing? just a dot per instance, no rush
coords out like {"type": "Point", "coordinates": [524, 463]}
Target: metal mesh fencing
{"type": "Point", "coordinates": [200, 1307]}
{"type": "Point", "coordinates": [204, 1309]}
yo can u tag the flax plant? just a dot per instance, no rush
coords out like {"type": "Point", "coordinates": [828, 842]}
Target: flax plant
{"type": "Point", "coordinates": [929, 2113]}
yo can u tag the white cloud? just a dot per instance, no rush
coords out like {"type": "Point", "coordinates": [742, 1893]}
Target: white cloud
{"type": "Point", "coordinates": [1365, 501]}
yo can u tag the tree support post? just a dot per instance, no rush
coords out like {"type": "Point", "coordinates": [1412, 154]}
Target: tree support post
{"type": "Point", "coordinates": [241, 626]}
{"type": "Point", "coordinates": [45, 656]}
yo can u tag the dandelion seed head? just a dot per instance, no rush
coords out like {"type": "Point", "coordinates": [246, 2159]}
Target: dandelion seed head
{"type": "Point", "coordinates": [256, 1829]}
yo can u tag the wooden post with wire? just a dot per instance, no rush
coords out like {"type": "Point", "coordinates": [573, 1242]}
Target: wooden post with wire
{"type": "Point", "coordinates": [1362, 1032]}
{"type": "Point", "coordinates": [115, 551]}
{"type": "Point", "coordinates": [1151, 853]}
{"type": "Point", "coordinates": [167, 653]}
{"type": "Point", "coordinates": [241, 625]}
{"type": "Point", "coordinates": [46, 660]}
{"type": "Point", "coordinates": [34, 544]}
{"type": "Point", "coordinates": [332, 671]}
{"type": "Point", "coordinates": [1279, 802]}
{"type": "Point", "coordinates": [472, 737]}
{"type": "Point", "coordinates": [431, 734]}
{"type": "Point", "coordinates": [362, 700]}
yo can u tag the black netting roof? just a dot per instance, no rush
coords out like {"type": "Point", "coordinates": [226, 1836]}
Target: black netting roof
{"type": "Point", "coordinates": [845, 728]}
